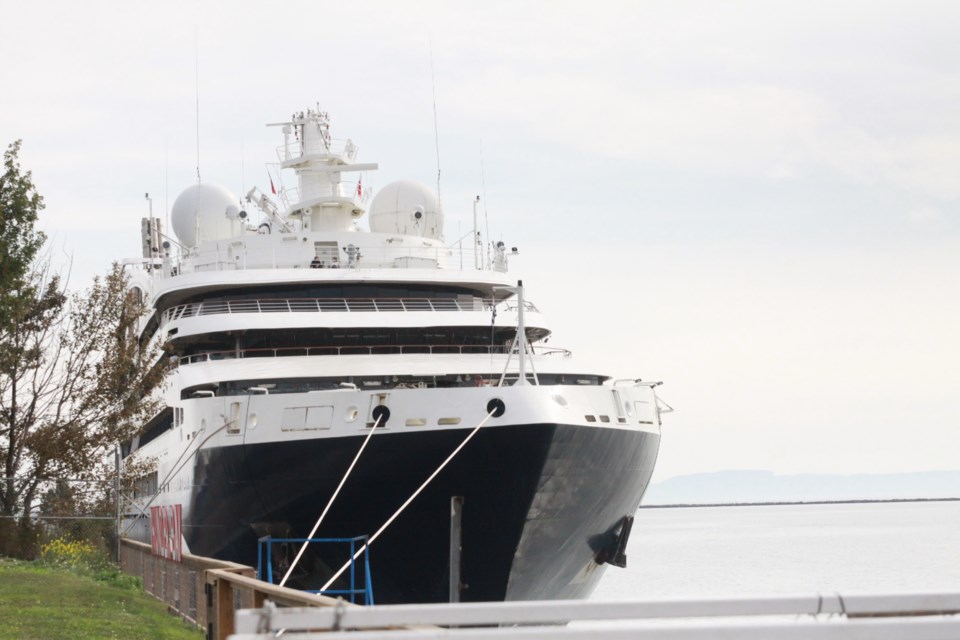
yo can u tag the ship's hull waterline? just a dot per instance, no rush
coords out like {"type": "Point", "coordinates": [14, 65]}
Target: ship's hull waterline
{"type": "Point", "coordinates": [540, 502]}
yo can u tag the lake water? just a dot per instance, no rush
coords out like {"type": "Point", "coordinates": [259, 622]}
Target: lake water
{"type": "Point", "coordinates": [789, 549]}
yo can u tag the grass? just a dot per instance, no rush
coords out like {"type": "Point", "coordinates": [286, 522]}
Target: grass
{"type": "Point", "coordinates": [48, 603]}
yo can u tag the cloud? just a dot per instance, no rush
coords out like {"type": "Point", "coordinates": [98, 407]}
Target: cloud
{"type": "Point", "coordinates": [924, 215]}
{"type": "Point", "coordinates": [768, 131]}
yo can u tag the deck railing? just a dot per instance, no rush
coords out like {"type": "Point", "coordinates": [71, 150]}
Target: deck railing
{"type": "Point", "coordinates": [235, 256]}
{"type": "Point", "coordinates": [208, 592]}
{"type": "Point", "coordinates": [334, 305]}
{"type": "Point", "coordinates": [180, 585]}
{"type": "Point", "coordinates": [363, 350]}
{"type": "Point", "coordinates": [347, 190]}
{"type": "Point", "coordinates": [241, 258]}
{"type": "Point", "coordinates": [293, 148]}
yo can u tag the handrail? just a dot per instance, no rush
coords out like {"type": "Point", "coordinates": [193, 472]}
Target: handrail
{"type": "Point", "coordinates": [291, 305]}
{"type": "Point", "coordinates": [833, 615]}
{"type": "Point", "coordinates": [294, 149]}
{"type": "Point", "coordinates": [343, 190]}
{"type": "Point", "coordinates": [280, 256]}
{"type": "Point", "coordinates": [265, 565]}
{"type": "Point", "coordinates": [342, 350]}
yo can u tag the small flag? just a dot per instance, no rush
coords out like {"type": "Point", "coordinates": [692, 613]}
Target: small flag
{"type": "Point", "coordinates": [360, 187]}
{"type": "Point", "coordinates": [273, 189]}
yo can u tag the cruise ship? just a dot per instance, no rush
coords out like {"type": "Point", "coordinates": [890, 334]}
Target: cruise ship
{"type": "Point", "coordinates": [323, 363]}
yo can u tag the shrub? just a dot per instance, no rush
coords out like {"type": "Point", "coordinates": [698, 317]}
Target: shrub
{"type": "Point", "coordinates": [82, 557]}
{"type": "Point", "coordinates": [69, 554]}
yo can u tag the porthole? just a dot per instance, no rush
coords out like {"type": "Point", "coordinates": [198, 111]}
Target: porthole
{"type": "Point", "coordinates": [416, 422]}
{"type": "Point", "coordinates": [559, 399]}
{"type": "Point", "coordinates": [604, 418]}
{"type": "Point", "coordinates": [352, 413]}
{"type": "Point", "coordinates": [590, 418]}
{"type": "Point", "coordinates": [448, 421]}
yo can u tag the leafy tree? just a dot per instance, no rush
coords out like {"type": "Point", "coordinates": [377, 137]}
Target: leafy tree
{"type": "Point", "coordinates": [20, 204]}
{"type": "Point", "coordinates": [74, 380]}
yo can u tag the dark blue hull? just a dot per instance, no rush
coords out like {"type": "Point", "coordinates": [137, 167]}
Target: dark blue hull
{"type": "Point", "coordinates": [541, 502]}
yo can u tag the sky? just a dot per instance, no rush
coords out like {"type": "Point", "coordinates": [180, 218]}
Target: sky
{"type": "Point", "coordinates": [756, 202]}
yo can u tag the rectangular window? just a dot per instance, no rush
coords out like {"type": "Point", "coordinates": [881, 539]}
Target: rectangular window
{"type": "Point", "coordinates": [145, 486]}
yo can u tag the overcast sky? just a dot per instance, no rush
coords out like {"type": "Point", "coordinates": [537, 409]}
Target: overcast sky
{"type": "Point", "coordinates": [756, 202]}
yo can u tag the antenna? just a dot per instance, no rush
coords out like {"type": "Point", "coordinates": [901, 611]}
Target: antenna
{"type": "Point", "coordinates": [476, 237]}
{"type": "Point", "coordinates": [152, 231]}
{"type": "Point", "coordinates": [150, 200]}
{"type": "Point", "coordinates": [436, 135]}
{"type": "Point", "coordinates": [486, 220]}
{"type": "Point", "coordinates": [166, 180]}
{"type": "Point", "coordinates": [196, 78]}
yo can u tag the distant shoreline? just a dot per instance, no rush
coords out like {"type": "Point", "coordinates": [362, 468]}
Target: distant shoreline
{"type": "Point", "coordinates": [786, 502]}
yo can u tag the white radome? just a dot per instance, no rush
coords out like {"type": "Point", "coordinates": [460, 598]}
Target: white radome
{"type": "Point", "coordinates": [200, 213]}
{"type": "Point", "coordinates": [395, 207]}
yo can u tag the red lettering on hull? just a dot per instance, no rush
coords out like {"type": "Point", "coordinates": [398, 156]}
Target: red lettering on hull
{"type": "Point", "coordinates": [166, 538]}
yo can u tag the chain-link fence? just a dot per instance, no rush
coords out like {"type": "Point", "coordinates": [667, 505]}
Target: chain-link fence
{"type": "Point", "coordinates": [62, 509]}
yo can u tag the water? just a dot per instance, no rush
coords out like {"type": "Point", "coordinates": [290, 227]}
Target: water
{"type": "Point", "coordinates": [789, 549]}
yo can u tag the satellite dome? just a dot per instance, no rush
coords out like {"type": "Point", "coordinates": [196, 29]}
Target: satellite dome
{"type": "Point", "coordinates": [409, 208]}
{"type": "Point", "coordinates": [201, 213]}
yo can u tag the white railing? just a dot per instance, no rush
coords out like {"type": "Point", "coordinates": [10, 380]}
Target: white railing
{"type": "Point", "coordinates": [333, 305]}
{"type": "Point", "coordinates": [364, 350]}
{"type": "Point", "coordinates": [346, 189]}
{"type": "Point", "coordinates": [814, 617]}
{"type": "Point", "coordinates": [338, 147]}
{"type": "Point", "coordinates": [371, 258]}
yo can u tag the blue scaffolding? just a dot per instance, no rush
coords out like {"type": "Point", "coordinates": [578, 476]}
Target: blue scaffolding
{"type": "Point", "coordinates": [265, 573]}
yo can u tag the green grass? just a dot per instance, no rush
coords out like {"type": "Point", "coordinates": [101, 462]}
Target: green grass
{"type": "Point", "coordinates": [45, 603]}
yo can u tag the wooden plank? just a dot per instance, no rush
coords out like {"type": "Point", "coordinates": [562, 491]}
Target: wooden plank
{"type": "Point", "coordinates": [223, 604]}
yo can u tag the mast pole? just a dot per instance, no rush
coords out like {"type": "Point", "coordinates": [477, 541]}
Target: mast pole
{"type": "Point", "coordinates": [521, 335]}
{"type": "Point", "coordinates": [476, 237]}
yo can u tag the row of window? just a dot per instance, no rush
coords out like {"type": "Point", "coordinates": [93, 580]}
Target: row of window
{"type": "Point", "coordinates": [306, 385]}
{"type": "Point", "coordinates": [324, 337]}
{"type": "Point", "coordinates": [316, 290]}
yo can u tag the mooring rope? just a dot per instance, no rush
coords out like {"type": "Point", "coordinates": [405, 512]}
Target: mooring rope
{"type": "Point", "coordinates": [405, 504]}
{"type": "Point", "coordinates": [174, 470]}
{"type": "Point", "coordinates": [330, 502]}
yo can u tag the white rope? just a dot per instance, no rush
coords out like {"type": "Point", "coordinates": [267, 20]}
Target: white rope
{"type": "Point", "coordinates": [330, 502]}
{"type": "Point", "coordinates": [404, 505]}
{"type": "Point", "coordinates": [175, 469]}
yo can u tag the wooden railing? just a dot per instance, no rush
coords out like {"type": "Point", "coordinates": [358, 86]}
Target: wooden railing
{"type": "Point", "coordinates": [208, 592]}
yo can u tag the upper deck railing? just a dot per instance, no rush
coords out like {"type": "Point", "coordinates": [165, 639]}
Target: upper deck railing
{"type": "Point", "coordinates": [233, 254]}
{"type": "Point", "coordinates": [335, 305]}
{"type": "Point", "coordinates": [284, 257]}
{"type": "Point", "coordinates": [295, 147]}
{"type": "Point", "coordinates": [346, 189]}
